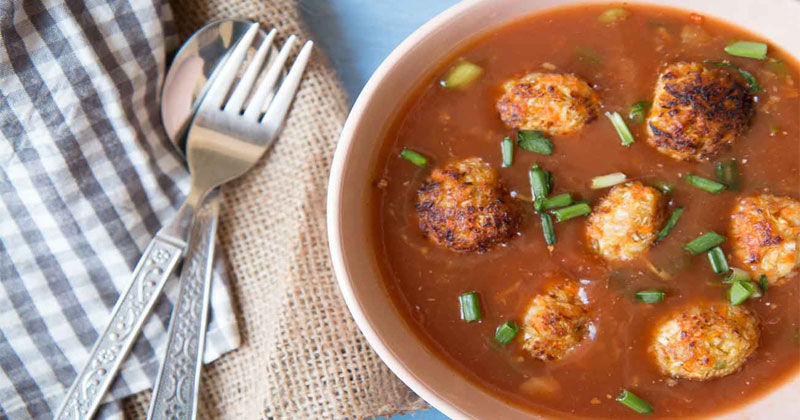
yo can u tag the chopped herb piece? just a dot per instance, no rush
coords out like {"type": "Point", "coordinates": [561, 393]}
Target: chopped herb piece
{"type": "Point", "coordinates": [728, 174]}
{"type": "Point", "coordinates": [413, 157]}
{"type": "Point", "coordinates": [717, 259]}
{"type": "Point", "coordinates": [705, 184]}
{"type": "Point", "coordinates": [777, 68]}
{"type": "Point", "coordinates": [470, 306]}
{"type": "Point", "coordinates": [704, 243]}
{"type": "Point", "coordinates": [461, 75]}
{"type": "Point", "coordinates": [506, 332]}
{"type": "Point", "coordinates": [763, 282]}
{"type": "Point", "coordinates": [507, 148]}
{"type": "Point", "coordinates": [740, 292]}
{"type": "Point", "coordinates": [574, 210]}
{"type": "Point", "coordinates": [746, 75]}
{"type": "Point", "coordinates": [605, 181]}
{"type": "Point", "coordinates": [534, 141]}
{"type": "Point", "coordinates": [737, 274]}
{"type": "Point", "coordinates": [650, 296]}
{"type": "Point", "coordinates": [663, 186]}
{"type": "Point", "coordinates": [630, 400]}
{"type": "Point", "coordinates": [556, 201]}
{"type": "Point", "coordinates": [622, 129]}
{"type": "Point", "coordinates": [748, 49]}
{"type": "Point", "coordinates": [671, 222]}
{"type": "Point", "coordinates": [638, 111]}
{"type": "Point", "coordinates": [613, 15]}
{"type": "Point", "coordinates": [540, 186]}
{"type": "Point", "coordinates": [549, 230]}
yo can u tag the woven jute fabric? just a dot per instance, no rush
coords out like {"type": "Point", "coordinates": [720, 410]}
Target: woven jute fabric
{"type": "Point", "coordinates": [302, 355]}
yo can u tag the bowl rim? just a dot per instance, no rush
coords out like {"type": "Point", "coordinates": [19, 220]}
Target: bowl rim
{"type": "Point", "coordinates": [342, 152]}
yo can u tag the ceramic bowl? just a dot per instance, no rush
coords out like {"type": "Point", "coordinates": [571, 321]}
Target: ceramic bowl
{"type": "Point", "coordinates": [353, 258]}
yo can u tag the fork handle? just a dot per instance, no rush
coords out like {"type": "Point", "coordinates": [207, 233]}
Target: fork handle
{"type": "Point", "coordinates": [177, 384]}
{"type": "Point", "coordinates": [151, 273]}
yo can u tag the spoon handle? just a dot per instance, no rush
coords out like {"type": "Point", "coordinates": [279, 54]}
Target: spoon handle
{"type": "Point", "coordinates": [177, 384]}
{"type": "Point", "coordinates": [134, 305]}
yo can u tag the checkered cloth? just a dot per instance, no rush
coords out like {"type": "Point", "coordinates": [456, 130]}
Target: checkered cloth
{"type": "Point", "coordinates": [87, 176]}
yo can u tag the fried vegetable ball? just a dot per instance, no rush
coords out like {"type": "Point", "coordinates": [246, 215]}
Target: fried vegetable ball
{"type": "Point", "coordinates": [697, 111]}
{"type": "Point", "coordinates": [705, 341]}
{"type": "Point", "coordinates": [765, 230]}
{"type": "Point", "coordinates": [461, 206]}
{"type": "Point", "coordinates": [555, 322]}
{"type": "Point", "coordinates": [626, 222]}
{"type": "Point", "coordinates": [553, 103]}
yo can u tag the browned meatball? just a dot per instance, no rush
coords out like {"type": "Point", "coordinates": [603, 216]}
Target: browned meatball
{"type": "Point", "coordinates": [705, 341]}
{"type": "Point", "coordinates": [765, 230]}
{"type": "Point", "coordinates": [626, 222]}
{"type": "Point", "coordinates": [697, 111]}
{"type": "Point", "coordinates": [462, 206]}
{"type": "Point", "coordinates": [553, 103]}
{"type": "Point", "coordinates": [555, 322]}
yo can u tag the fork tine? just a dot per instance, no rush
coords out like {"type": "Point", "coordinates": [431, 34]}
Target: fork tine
{"type": "Point", "coordinates": [277, 110]}
{"type": "Point", "coordinates": [222, 84]}
{"type": "Point", "coordinates": [260, 96]}
{"type": "Point", "coordinates": [247, 80]}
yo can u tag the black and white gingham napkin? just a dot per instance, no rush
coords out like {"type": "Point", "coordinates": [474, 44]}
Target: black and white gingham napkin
{"type": "Point", "coordinates": [87, 175]}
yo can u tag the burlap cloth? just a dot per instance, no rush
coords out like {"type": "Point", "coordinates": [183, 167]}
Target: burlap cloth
{"type": "Point", "coordinates": [302, 355]}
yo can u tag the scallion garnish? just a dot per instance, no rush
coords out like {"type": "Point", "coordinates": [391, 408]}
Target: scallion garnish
{"type": "Point", "coordinates": [605, 181]}
{"type": "Point", "coordinates": [506, 332]}
{"type": "Point", "coordinates": [763, 282]}
{"type": "Point", "coordinates": [574, 210]}
{"type": "Point", "coordinates": [461, 75]}
{"type": "Point", "coordinates": [638, 111]}
{"type": "Point", "coordinates": [470, 306]}
{"type": "Point", "coordinates": [534, 141]}
{"type": "Point", "coordinates": [747, 49]}
{"type": "Point", "coordinates": [413, 157]}
{"type": "Point", "coordinates": [507, 148]}
{"type": "Point", "coordinates": [650, 296]}
{"type": "Point", "coordinates": [718, 261]}
{"type": "Point", "coordinates": [540, 186]}
{"type": "Point", "coordinates": [621, 127]}
{"type": "Point", "coordinates": [740, 291]}
{"type": "Point", "coordinates": [737, 274]}
{"type": "Point", "coordinates": [671, 222]}
{"type": "Point", "coordinates": [704, 183]}
{"type": "Point", "coordinates": [630, 400]}
{"type": "Point", "coordinates": [549, 230]}
{"type": "Point", "coordinates": [556, 201]}
{"type": "Point", "coordinates": [746, 75]}
{"type": "Point", "coordinates": [704, 243]}
{"type": "Point", "coordinates": [728, 174]}
{"type": "Point", "coordinates": [777, 68]}
{"type": "Point", "coordinates": [663, 186]}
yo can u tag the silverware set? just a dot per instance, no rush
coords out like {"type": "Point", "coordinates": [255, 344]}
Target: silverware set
{"type": "Point", "coordinates": [240, 112]}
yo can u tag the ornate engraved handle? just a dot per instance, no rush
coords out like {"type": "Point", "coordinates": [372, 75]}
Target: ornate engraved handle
{"type": "Point", "coordinates": [175, 392]}
{"type": "Point", "coordinates": [151, 273]}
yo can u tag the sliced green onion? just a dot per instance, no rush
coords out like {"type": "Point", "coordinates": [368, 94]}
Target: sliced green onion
{"type": "Point", "coordinates": [704, 243]}
{"type": "Point", "coordinates": [574, 210]}
{"type": "Point", "coordinates": [737, 274]}
{"type": "Point", "coordinates": [556, 201]}
{"type": "Point", "coordinates": [718, 261]}
{"type": "Point", "coordinates": [650, 296]}
{"type": "Point", "coordinates": [630, 400]}
{"type": "Point", "coordinates": [746, 75]}
{"type": "Point", "coordinates": [540, 186]}
{"type": "Point", "coordinates": [506, 332]}
{"type": "Point", "coordinates": [671, 222]}
{"type": "Point", "coordinates": [413, 157]}
{"type": "Point", "coordinates": [663, 186]}
{"type": "Point", "coordinates": [728, 174]}
{"type": "Point", "coordinates": [470, 306]}
{"type": "Point", "coordinates": [461, 75]}
{"type": "Point", "coordinates": [507, 149]}
{"type": "Point", "coordinates": [704, 183]}
{"type": "Point", "coordinates": [549, 230]}
{"type": "Point", "coordinates": [777, 68]}
{"type": "Point", "coordinates": [763, 282]}
{"type": "Point", "coordinates": [605, 181]}
{"type": "Point", "coordinates": [740, 292]}
{"type": "Point", "coordinates": [747, 49]}
{"type": "Point", "coordinates": [638, 110]}
{"type": "Point", "coordinates": [587, 54]}
{"type": "Point", "coordinates": [613, 15]}
{"type": "Point", "coordinates": [534, 141]}
{"type": "Point", "coordinates": [622, 129]}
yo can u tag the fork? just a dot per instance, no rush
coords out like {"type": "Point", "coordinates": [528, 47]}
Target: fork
{"type": "Point", "coordinates": [228, 135]}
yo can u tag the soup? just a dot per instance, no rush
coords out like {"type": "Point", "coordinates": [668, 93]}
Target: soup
{"type": "Point", "coordinates": [571, 280]}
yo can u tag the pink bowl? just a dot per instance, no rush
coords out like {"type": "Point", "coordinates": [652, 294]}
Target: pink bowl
{"type": "Point", "coordinates": [348, 214]}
